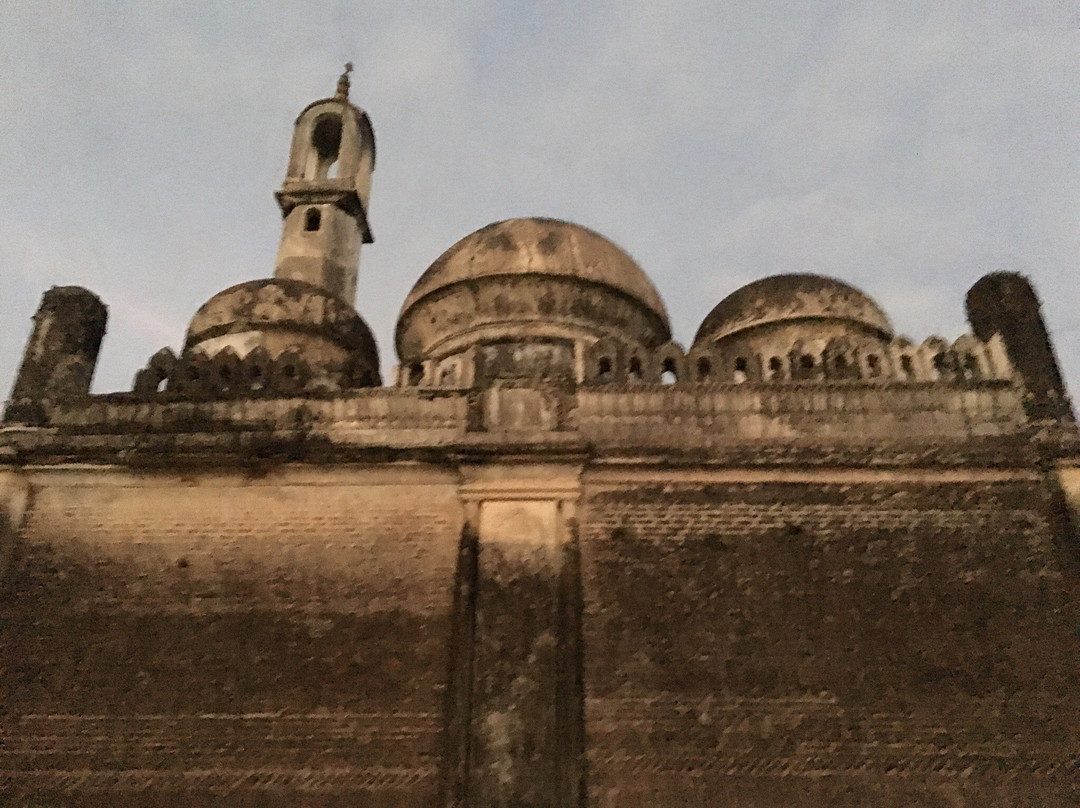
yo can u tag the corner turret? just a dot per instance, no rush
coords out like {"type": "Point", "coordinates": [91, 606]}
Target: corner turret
{"type": "Point", "coordinates": [1005, 303]}
{"type": "Point", "coordinates": [61, 355]}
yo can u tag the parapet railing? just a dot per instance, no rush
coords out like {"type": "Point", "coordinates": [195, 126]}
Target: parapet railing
{"type": "Point", "coordinates": [630, 415]}
{"type": "Point", "coordinates": [849, 412]}
{"type": "Point", "coordinates": [386, 409]}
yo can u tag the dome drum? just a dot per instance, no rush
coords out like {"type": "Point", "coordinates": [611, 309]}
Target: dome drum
{"type": "Point", "coordinates": [532, 359]}
{"type": "Point", "coordinates": [522, 307]}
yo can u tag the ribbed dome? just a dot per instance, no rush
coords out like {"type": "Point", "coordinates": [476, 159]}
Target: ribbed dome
{"type": "Point", "coordinates": [521, 273]}
{"type": "Point", "coordinates": [783, 298]}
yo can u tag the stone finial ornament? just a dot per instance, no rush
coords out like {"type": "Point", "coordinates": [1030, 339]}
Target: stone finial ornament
{"type": "Point", "coordinates": [343, 83]}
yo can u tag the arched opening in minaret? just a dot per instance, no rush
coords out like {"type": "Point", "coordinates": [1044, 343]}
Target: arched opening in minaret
{"type": "Point", "coordinates": [312, 220]}
{"type": "Point", "coordinates": [326, 140]}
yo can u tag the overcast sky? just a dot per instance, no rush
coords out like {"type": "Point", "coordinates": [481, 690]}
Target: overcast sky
{"type": "Point", "coordinates": [905, 147]}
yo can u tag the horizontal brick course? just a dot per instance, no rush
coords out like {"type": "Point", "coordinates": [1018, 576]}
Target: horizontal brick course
{"type": "Point", "coordinates": [222, 636]}
{"type": "Point", "coordinates": [870, 635]}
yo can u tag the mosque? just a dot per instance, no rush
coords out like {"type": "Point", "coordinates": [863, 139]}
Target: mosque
{"type": "Point", "coordinates": [557, 560]}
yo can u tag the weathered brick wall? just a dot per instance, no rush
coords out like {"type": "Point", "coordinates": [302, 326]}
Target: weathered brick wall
{"type": "Point", "coordinates": [213, 640]}
{"type": "Point", "coordinates": [854, 640]}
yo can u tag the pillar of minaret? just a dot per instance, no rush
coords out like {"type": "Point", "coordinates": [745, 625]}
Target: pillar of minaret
{"type": "Point", "coordinates": [324, 199]}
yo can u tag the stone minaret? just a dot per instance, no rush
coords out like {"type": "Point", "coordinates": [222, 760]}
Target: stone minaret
{"type": "Point", "coordinates": [324, 198]}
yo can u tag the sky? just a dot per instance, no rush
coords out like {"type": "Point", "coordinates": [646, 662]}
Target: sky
{"type": "Point", "coordinates": [907, 148]}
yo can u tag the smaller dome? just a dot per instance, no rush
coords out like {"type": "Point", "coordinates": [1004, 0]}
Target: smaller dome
{"type": "Point", "coordinates": [785, 298]}
{"type": "Point", "coordinates": [282, 315]}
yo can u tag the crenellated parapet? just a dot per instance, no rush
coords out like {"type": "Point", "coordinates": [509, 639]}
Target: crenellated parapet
{"type": "Point", "coordinates": [257, 374]}
{"type": "Point", "coordinates": [610, 361]}
{"type": "Point", "coordinates": [837, 360]}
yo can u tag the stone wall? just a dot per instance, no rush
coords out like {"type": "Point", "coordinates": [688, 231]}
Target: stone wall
{"type": "Point", "coordinates": [401, 634]}
{"type": "Point", "coordinates": [216, 639]}
{"type": "Point", "coordinates": [841, 639]}
{"type": "Point", "coordinates": [861, 414]}
{"type": "Point", "coordinates": [837, 595]}
{"type": "Point", "coordinates": [614, 418]}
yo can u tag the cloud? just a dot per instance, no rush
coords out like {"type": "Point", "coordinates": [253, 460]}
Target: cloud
{"type": "Point", "coordinates": [904, 147]}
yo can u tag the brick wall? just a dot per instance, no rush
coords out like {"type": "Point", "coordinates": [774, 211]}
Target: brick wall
{"type": "Point", "coordinates": [275, 641]}
{"type": "Point", "coordinates": [759, 638]}
{"type": "Point", "coordinates": [845, 642]}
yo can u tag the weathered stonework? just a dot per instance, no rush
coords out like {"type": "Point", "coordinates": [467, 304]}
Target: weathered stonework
{"type": "Point", "coordinates": [1004, 304]}
{"type": "Point", "coordinates": [779, 637]}
{"type": "Point", "coordinates": [59, 360]}
{"type": "Point", "coordinates": [560, 562]}
{"type": "Point", "coordinates": [525, 281]}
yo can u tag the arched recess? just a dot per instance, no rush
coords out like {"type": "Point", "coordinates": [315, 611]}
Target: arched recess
{"type": "Point", "coordinates": [639, 367]}
{"type": "Point", "coordinates": [936, 359]}
{"type": "Point", "coordinates": [191, 376]}
{"type": "Point", "coordinates": [671, 364]}
{"type": "Point", "coordinates": [972, 362]}
{"type": "Point", "coordinates": [900, 354]}
{"type": "Point", "coordinates": [704, 365]}
{"type": "Point", "coordinates": [873, 360]}
{"type": "Point", "coordinates": [605, 362]}
{"type": "Point", "coordinates": [155, 376]}
{"type": "Point", "coordinates": [257, 370]}
{"type": "Point", "coordinates": [775, 368]}
{"type": "Point", "coordinates": [840, 360]}
{"type": "Point", "coordinates": [804, 363]}
{"type": "Point", "coordinates": [739, 363]}
{"type": "Point", "coordinates": [325, 146]}
{"type": "Point", "coordinates": [226, 373]}
{"type": "Point", "coordinates": [290, 373]}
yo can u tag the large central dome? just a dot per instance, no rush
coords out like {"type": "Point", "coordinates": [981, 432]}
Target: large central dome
{"type": "Point", "coordinates": [524, 280]}
{"type": "Point", "coordinates": [538, 246]}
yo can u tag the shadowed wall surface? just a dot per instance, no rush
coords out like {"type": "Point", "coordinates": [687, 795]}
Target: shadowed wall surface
{"type": "Point", "coordinates": [886, 637]}
{"type": "Point", "coordinates": [858, 639]}
{"type": "Point", "coordinates": [257, 641]}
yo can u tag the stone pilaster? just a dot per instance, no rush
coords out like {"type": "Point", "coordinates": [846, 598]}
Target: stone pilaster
{"type": "Point", "coordinates": [516, 717]}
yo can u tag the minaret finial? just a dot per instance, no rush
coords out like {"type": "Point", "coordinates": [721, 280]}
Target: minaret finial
{"type": "Point", "coordinates": [343, 82]}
